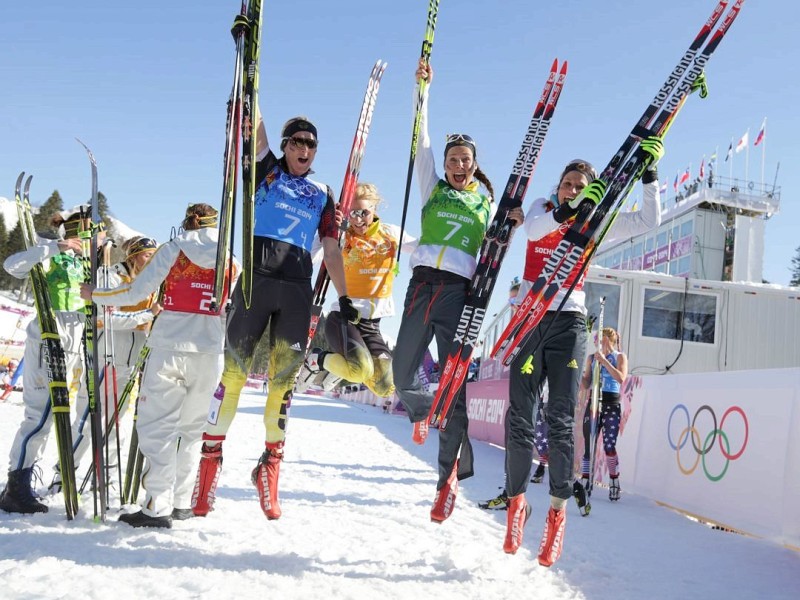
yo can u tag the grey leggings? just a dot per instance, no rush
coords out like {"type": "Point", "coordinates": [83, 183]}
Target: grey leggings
{"type": "Point", "coordinates": [432, 309]}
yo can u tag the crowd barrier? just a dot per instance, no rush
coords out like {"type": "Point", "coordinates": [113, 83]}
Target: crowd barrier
{"type": "Point", "coordinates": [722, 447]}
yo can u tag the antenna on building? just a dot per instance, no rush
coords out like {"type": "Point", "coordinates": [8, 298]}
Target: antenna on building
{"type": "Point", "coordinates": [775, 181]}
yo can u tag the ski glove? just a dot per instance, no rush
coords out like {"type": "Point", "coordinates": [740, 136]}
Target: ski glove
{"type": "Point", "coordinates": [562, 212]}
{"type": "Point", "coordinates": [654, 146]}
{"type": "Point", "coordinates": [348, 311]}
{"type": "Point", "coordinates": [593, 193]}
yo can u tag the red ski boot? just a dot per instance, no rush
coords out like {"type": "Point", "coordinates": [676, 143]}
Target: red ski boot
{"type": "Point", "coordinates": [265, 478]}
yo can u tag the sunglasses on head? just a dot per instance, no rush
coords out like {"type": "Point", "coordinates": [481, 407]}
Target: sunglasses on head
{"type": "Point", "coordinates": [453, 138]}
{"type": "Point", "coordinates": [298, 142]}
{"type": "Point", "coordinates": [360, 213]}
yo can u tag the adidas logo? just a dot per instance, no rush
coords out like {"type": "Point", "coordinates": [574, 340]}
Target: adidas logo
{"type": "Point", "coordinates": [573, 364]}
{"type": "Point", "coordinates": [296, 347]}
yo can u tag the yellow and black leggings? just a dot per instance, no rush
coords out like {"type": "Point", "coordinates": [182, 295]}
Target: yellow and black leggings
{"type": "Point", "coordinates": [366, 359]}
{"type": "Point", "coordinates": [285, 308]}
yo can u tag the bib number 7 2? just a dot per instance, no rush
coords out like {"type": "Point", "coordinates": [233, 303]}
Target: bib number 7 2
{"type": "Point", "coordinates": [456, 226]}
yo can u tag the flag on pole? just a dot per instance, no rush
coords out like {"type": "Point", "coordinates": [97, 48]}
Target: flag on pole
{"type": "Point", "coordinates": [702, 168]}
{"type": "Point", "coordinates": [663, 188]}
{"type": "Point", "coordinates": [685, 176]}
{"type": "Point", "coordinates": [743, 141]}
{"type": "Point", "coordinates": [713, 158]}
{"type": "Point", "coordinates": [730, 152]}
{"type": "Point", "coordinates": [675, 185]}
{"type": "Point", "coordinates": [761, 133]}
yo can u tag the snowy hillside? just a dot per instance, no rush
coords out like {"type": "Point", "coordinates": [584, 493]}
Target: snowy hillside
{"type": "Point", "coordinates": [8, 209]}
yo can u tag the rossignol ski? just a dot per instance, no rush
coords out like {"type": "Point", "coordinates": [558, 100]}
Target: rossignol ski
{"type": "Point", "coordinates": [493, 250]}
{"type": "Point", "coordinates": [348, 187]}
{"type": "Point", "coordinates": [248, 117]}
{"type": "Point", "coordinates": [584, 495]}
{"type": "Point", "coordinates": [427, 47]}
{"type": "Point", "coordinates": [626, 167]}
{"type": "Point", "coordinates": [230, 161]}
{"type": "Point", "coordinates": [52, 353]}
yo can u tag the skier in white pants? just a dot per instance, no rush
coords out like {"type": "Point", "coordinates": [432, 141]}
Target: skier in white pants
{"type": "Point", "coordinates": [63, 268]}
{"type": "Point", "coordinates": [183, 368]}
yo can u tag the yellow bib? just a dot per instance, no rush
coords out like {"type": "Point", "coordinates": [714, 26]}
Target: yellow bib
{"type": "Point", "coordinates": [368, 261]}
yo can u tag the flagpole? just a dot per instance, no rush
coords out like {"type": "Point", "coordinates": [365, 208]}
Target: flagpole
{"type": "Point", "coordinates": [730, 167]}
{"type": "Point", "coordinates": [763, 134]}
{"type": "Point", "coordinates": [716, 158]}
{"type": "Point", "coordinates": [747, 157]}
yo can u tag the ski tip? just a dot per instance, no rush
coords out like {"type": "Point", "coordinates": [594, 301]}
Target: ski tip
{"type": "Point", "coordinates": [564, 67]}
{"type": "Point", "coordinates": [19, 181]}
{"type": "Point", "coordinates": [554, 68]}
{"type": "Point", "coordinates": [88, 151]}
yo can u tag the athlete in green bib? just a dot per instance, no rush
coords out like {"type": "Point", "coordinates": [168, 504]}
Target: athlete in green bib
{"type": "Point", "coordinates": [455, 217]}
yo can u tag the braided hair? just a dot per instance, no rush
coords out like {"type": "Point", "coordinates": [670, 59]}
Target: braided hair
{"type": "Point", "coordinates": [199, 216]}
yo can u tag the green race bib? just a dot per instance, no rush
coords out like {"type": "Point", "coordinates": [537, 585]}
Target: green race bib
{"type": "Point", "coordinates": [455, 219]}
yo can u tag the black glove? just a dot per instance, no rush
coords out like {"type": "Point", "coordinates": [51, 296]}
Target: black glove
{"type": "Point", "coordinates": [650, 174]}
{"type": "Point", "coordinates": [348, 311]}
{"type": "Point", "coordinates": [562, 212]}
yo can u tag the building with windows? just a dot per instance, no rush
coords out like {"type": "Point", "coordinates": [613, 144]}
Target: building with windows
{"type": "Point", "coordinates": [688, 297]}
{"type": "Point", "coordinates": [715, 231]}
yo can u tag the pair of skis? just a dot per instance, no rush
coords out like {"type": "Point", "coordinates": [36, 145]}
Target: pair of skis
{"type": "Point", "coordinates": [348, 189]}
{"type": "Point", "coordinates": [88, 236]}
{"type": "Point", "coordinates": [591, 224]}
{"type": "Point", "coordinates": [583, 493]}
{"type": "Point", "coordinates": [493, 250]}
{"type": "Point", "coordinates": [240, 132]}
{"type": "Point", "coordinates": [133, 468]}
{"type": "Point", "coordinates": [52, 352]}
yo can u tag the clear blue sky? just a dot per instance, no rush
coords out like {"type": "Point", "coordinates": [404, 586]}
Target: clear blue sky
{"type": "Point", "coordinates": [145, 83]}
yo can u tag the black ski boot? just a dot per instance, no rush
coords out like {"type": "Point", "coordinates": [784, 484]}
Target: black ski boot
{"type": "Point", "coordinates": [18, 497]}
{"type": "Point", "coordinates": [498, 503]}
{"type": "Point", "coordinates": [582, 496]}
{"type": "Point", "coordinates": [139, 519]}
{"type": "Point", "coordinates": [614, 490]}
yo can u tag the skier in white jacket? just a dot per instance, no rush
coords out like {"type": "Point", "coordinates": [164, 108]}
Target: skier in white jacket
{"type": "Point", "coordinates": [183, 368]}
{"type": "Point", "coordinates": [64, 271]}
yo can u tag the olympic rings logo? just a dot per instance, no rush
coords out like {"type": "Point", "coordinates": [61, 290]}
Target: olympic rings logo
{"type": "Point", "coordinates": [690, 432]}
{"type": "Point", "coordinates": [298, 186]}
{"type": "Point", "coordinates": [459, 195]}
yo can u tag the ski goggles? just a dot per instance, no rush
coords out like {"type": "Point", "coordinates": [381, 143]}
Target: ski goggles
{"type": "Point", "coordinates": [360, 213]}
{"type": "Point", "coordinates": [453, 138]}
{"type": "Point", "coordinates": [460, 139]}
{"type": "Point", "coordinates": [298, 142]}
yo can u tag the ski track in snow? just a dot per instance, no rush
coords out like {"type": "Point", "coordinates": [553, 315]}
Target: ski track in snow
{"type": "Point", "coordinates": [356, 495]}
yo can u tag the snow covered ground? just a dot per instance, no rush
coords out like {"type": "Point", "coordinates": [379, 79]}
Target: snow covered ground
{"type": "Point", "coordinates": [356, 495]}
